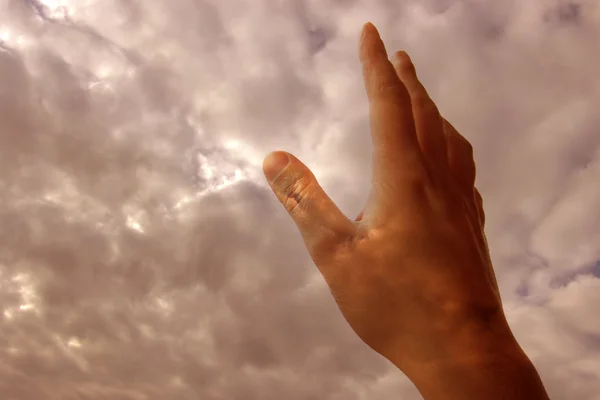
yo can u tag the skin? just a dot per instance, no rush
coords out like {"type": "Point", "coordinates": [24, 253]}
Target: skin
{"type": "Point", "coordinates": [412, 273]}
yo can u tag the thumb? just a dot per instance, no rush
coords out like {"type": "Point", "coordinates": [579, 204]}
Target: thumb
{"type": "Point", "coordinates": [322, 225]}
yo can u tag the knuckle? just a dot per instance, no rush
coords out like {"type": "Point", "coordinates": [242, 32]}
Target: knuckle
{"type": "Point", "coordinates": [478, 197]}
{"type": "Point", "coordinates": [479, 205]}
{"type": "Point", "coordinates": [381, 81]}
{"type": "Point", "coordinates": [297, 194]}
{"type": "Point", "coordinates": [469, 149]}
{"type": "Point", "coordinates": [463, 145]}
{"type": "Point", "coordinates": [466, 146]}
{"type": "Point", "coordinates": [424, 103]}
{"type": "Point", "coordinates": [387, 92]}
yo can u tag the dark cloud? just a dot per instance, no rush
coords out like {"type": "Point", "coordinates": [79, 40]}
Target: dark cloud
{"type": "Point", "coordinates": [565, 13]}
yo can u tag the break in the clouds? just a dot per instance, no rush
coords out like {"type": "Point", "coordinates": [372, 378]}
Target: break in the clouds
{"type": "Point", "coordinates": [142, 255]}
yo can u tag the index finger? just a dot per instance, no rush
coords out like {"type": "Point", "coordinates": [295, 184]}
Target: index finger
{"type": "Point", "coordinates": [392, 124]}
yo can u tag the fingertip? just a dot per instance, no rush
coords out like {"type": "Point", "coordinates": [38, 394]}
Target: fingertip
{"type": "Point", "coordinates": [403, 63]}
{"type": "Point", "coordinates": [367, 25]}
{"type": "Point", "coordinates": [367, 29]}
{"type": "Point", "coordinates": [274, 164]}
{"type": "Point", "coordinates": [371, 44]}
{"type": "Point", "coordinates": [401, 56]}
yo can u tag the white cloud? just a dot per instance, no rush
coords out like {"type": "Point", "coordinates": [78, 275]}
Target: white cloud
{"type": "Point", "coordinates": [143, 257]}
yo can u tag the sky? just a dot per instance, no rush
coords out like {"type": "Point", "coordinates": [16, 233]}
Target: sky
{"type": "Point", "coordinates": [142, 254]}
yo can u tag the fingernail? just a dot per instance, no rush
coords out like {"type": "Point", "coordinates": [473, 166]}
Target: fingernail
{"type": "Point", "coordinates": [274, 164]}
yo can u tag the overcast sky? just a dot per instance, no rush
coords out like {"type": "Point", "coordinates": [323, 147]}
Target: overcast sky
{"type": "Point", "coordinates": [142, 255]}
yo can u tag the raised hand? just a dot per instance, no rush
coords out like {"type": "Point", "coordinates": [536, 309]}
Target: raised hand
{"type": "Point", "coordinates": [412, 274]}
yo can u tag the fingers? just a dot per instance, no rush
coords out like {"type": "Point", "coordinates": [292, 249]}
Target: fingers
{"type": "Point", "coordinates": [460, 159]}
{"type": "Point", "coordinates": [322, 225]}
{"type": "Point", "coordinates": [462, 168]}
{"type": "Point", "coordinates": [440, 142]}
{"type": "Point", "coordinates": [392, 127]}
{"type": "Point", "coordinates": [428, 122]}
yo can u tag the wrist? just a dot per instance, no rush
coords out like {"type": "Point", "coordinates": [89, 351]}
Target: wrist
{"type": "Point", "coordinates": [507, 374]}
{"type": "Point", "coordinates": [477, 362]}
{"type": "Point", "coordinates": [462, 340]}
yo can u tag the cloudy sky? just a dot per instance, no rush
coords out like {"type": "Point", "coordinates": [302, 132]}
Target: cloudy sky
{"type": "Point", "coordinates": [142, 255]}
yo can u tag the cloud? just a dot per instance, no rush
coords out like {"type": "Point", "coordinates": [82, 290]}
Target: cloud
{"type": "Point", "coordinates": [141, 253]}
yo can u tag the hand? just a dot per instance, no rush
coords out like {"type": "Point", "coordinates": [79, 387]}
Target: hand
{"type": "Point", "coordinates": [412, 274]}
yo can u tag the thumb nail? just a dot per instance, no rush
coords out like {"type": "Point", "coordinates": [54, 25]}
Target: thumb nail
{"type": "Point", "coordinates": [274, 164]}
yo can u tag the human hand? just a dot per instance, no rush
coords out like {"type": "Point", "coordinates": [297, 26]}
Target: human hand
{"type": "Point", "coordinates": [412, 274]}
